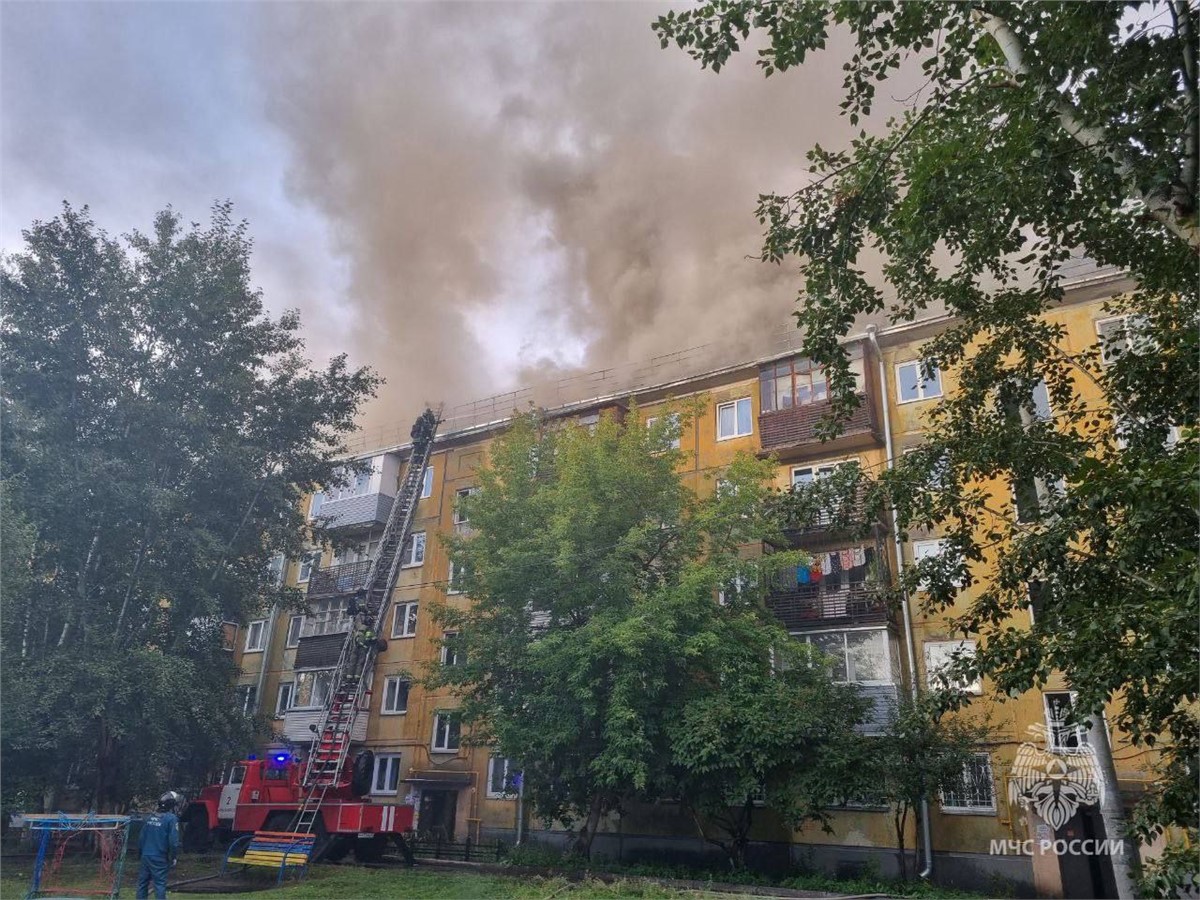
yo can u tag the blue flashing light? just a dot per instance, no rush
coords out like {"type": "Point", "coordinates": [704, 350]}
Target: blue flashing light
{"type": "Point", "coordinates": [282, 757]}
{"type": "Point", "coordinates": [252, 756]}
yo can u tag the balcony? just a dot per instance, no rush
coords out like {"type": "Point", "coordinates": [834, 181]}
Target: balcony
{"type": "Point", "coordinates": [358, 513]}
{"type": "Point", "coordinates": [808, 517]}
{"type": "Point", "coordinates": [799, 607]}
{"type": "Point", "coordinates": [337, 580]}
{"type": "Point", "coordinates": [790, 434]}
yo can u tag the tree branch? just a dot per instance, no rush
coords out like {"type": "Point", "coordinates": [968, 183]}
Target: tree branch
{"type": "Point", "coordinates": [1160, 205]}
{"type": "Point", "coordinates": [1190, 171]}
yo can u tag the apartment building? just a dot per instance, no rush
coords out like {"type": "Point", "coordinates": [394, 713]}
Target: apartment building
{"type": "Point", "coordinates": [769, 407]}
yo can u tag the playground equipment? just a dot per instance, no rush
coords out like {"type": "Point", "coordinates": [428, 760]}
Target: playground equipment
{"type": "Point", "coordinates": [60, 834]}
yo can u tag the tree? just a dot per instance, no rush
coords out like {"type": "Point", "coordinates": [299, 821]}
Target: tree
{"type": "Point", "coordinates": [593, 572]}
{"type": "Point", "coordinates": [771, 730]}
{"type": "Point", "coordinates": [160, 431]}
{"type": "Point", "coordinates": [1041, 131]}
{"type": "Point", "coordinates": [924, 752]}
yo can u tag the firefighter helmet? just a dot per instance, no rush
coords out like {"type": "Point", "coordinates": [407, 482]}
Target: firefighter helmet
{"type": "Point", "coordinates": [170, 801]}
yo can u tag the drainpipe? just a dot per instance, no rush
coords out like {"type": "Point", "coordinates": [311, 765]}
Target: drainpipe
{"type": "Point", "coordinates": [266, 654]}
{"type": "Point", "coordinates": [906, 609]}
{"type": "Point", "coordinates": [521, 810]}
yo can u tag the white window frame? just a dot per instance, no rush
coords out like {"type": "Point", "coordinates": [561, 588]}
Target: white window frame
{"type": "Point", "coordinates": [314, 674]}
{"type": "Point", "coordinates": [458, 518]}
{"type": "Point", "coordinates": [1130, 341]}
{"type": "Point", "coordinates": [295, 629]}
{"type": "Point", "coordinates": [491, 777]}
{"type": "Point", "coordinates": [976, 809]}
{"type": "Point", "coordinates": [1057, 729]}
{"type": "Point", "coordinates": [391, 694]}
{"type": "Point", "coordinates": [427, 482]}
{"type": "Point", "coordinates": [415, 546]}
{"type": "Point", "coordinates": [921, 394]}
{"type": "Point", "coordinates": [937, 657]}
{"type": "Point", "coordinates": [888, 662]}
{"type": "Point", "coordinates": [925, 549]}
{"type": "Point", "coordinates": [446, 716]}
{"type": "Point", "coordinates": [387, 765]}
{"type": "Point", "coordinates": [673, 418]}
{"type": "Point", "coordinates": [276, 570]}
{"type": "Point", "coordinates": [247, 695]}
{"type": "Point", "coordinates": [256, 629]}
{"type": "Point", "coordinates": [400, 619]}
{"type": "Point", "coordinates": [315, 503]}
{"type": "Point", "coordinates": [309, 563]}
{"type": "Point", "coordinates": [736, 433]}
{"type": "Point", "coordinates": [448, 638]}
{"type": "Point", "coordinates": [282, 705]}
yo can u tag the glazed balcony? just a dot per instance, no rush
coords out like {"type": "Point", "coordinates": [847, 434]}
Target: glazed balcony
{"type": "Point", "coordinates": [791, 434]}
{"type": "Point", "coordinates": [364, 512]}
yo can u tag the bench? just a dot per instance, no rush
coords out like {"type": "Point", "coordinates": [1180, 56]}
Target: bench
{"type": "Point", "coordinates": [273, 849]}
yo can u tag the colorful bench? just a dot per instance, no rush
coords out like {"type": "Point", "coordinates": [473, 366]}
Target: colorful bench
{"type": "Point", "coordinates": [273, 849]}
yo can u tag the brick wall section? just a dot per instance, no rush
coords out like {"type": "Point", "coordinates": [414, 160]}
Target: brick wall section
{"type": "Point", "coordinates": [789, 427]}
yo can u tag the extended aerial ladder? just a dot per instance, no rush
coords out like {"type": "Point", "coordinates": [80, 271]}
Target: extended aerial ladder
{"type": "Point", "coordinates": [325, 766]}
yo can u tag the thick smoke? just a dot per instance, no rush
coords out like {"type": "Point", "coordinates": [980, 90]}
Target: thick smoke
{"type": "Point", "coordinates": [536, 187]}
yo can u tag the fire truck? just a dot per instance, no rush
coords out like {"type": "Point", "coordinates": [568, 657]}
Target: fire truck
{"type": "Point", "coordinates": [326, 791]}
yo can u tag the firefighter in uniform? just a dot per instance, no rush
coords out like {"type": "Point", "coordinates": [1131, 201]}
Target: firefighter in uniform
{"type": "Point", "coordinates": [159, 846]}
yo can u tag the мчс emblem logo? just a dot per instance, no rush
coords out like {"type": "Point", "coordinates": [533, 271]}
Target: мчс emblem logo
{"type": "Point", "coordinates": [1055, 781]}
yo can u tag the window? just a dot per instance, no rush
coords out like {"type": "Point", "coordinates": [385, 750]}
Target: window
{"type": "Point", "coordinates": [500, 777]}
{"type": "Point", "coordinates": [314, 505]}
{"type": "Point", "coordinates": [460, 518]}
{"type": "Point", "coordinates": [427, 484]}
{"type": "Point", "coordinates": [939, 655]}
{"type": "Point", "coordinates": [247, 695]}
{"type": "Point", "coordinates": [385, 779]}
{"type": "Point", "coordinates": [862, 657]}
{"type": "Point", "coordinates": [395, 695]}
{"type": "Point", "coordinates": [457, 579]}
{"type": "Point", "coordinates": [413, 553]}
{"type": "Point", "coordinates": [1062, 733]}
{"type": "Point", "coordinates": [275, 570]}
{"type": "Point", "coordinates": [312, 689]}
{"type": "Point", "coordinates": [1119, 335]}
{"type": "Point", "coordinates": [912, 386]}
{"type": "Point", "coordinates": [309, 563]}
{"type": "Point", "coordinates": [726, 488]}
{"type": "Point", "coordinates": [793, 382]}
{"type": "Point", "coordinates": [295, 626]}
{"type": "Point", "coordinates": [732, 590]}
{"type": "Point", "coordinates": [975, 791]}
{"type": "Point", "coordinates": [673, 428]}
{"type": "Point", "coordinates": [802, 475]}
{"type": "Point", "coordinates": [1032, 494]}
{"type": "Point", "coordinates": [256, 635]}
{"type": "Point", "coordinates": [283, 700]}
{"type": "Point", "coordinates": [453, 653]}
{"type": "Point", "coordinates": [926, 550]}
{"type": "Point", "coordinates": [447, 732]}
{"type": "Point", "coordinates": [734, 419]}
{"type": "Point", "coordinates": [404, 623]}
{"type": "Point", "coordinates": [325, 617]}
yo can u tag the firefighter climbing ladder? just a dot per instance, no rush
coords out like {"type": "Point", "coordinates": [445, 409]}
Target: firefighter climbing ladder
{"type": "Point", "coordinates": [328, 756]}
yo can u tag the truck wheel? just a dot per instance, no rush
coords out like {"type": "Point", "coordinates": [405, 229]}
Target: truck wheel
{"type": "Point", "coordinates": [197, 836]}
{"type": "Point", "coordinates": [369, 850]}
{"type": "Point", "coordinates": [339, 846]}
{"type": "Point", "coordinates": [361, 773]}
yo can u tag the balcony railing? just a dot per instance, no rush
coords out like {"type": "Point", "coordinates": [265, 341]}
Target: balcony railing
{"type": "Point", "coordinates": [795, 428]}
{"type": "Point", "coordinates": [363, 511]}
{"type": "Point", "coordinates": [334, 580]}
{"type": "Point", "coordinates": [808, 606]}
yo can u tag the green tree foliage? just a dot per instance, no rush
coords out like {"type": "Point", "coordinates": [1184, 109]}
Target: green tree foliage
{"type": "Point", "coordinates": [160, 430]}
{"type": "Point", "coordinates": [1040, 131]}
{"type": "Point", "coordinates": [594, 642]}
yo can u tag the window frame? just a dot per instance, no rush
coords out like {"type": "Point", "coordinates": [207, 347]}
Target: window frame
{"type": "Point", "coordinates": [888, 660]}
{"type": "Point", "coordinates": [427, 483]}
{"type": "Point", "coordinates": [247, 695]}
{"type": "Point", "coordinates": [390, 772]}
{"type": "Point", "coordinates": [992, 808]}
{"type": "Point", "coordinates": [262, 636]}
{"type": "Point", "coordinates": [409, 560]}
{"type": "Point", "coordinates": [457, 518]}
{"type": "Point", "coordinates": [503, 794]}
{"type": "Point", "coordinates": [384, 709]}
{"type": "Point", "coordinates": [313, 673]}
{"type": "Point", "coordinates": [295, 625]}
{"type": "Point", "coordinates": [1057, 729]}
{"type": "Point", "coordinates": [396, 620]}
{"type": "Point", "coordinates": [313, 560]}
{"type": "Point", "coordinates": [736, 433]}
{"type": "Point", "coordinates": [444, 655]}
{"type": "Point", "coordinates": [280, 708]}
{"type": "Point", "coordinates": [673, 418]}
{"type": "Point", "coordinates": [453, 729]}
{"type": "Point", "coordinates": [974, 688]}
{"type": "Point", "coordinates": [921, 395]}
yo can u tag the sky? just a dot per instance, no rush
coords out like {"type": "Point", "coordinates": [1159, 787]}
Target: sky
{"type": "Point", "coordinates": [469, 198]}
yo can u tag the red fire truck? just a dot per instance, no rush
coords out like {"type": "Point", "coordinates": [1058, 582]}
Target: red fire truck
{"type": "Point", "coordinates": [323, 794]}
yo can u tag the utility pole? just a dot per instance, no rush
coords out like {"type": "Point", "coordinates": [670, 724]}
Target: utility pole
{"type": "Point", "coordinates": [1124, 864]}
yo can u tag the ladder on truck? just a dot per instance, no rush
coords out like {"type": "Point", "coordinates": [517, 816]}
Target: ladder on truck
{"type": "Point", "coordinates": [326, 762]}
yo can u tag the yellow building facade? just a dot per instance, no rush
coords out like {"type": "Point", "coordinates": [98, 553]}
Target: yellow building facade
{"type": "Point", "coordinates": [768, 407]}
